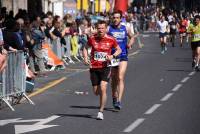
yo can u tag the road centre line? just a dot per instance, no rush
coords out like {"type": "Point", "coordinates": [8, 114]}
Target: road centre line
{"type": "Point", "coordinates": [167, 96]}
{"type": "Point", "coordinates": [134, 125]}
{"type": "Point", "coordinates": [153, 109]}
{"type": "Point", "coordinates": [134, 53]}
{"type": "Point", "coordinates": [192, 73]}
{"type": "Point", "coordinates": [185, 79]}
{"type": "Point", "coordinates": [176, 88]}
{"type": "Point", "coordinates": [51, 84]}
{"type": "Point", "coordinates": [156, 106]}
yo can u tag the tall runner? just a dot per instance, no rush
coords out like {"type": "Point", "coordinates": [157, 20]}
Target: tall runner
{"type": "Point", "coordinates": [121, 34]}
{"type": "Point", "coordinates": [194, 30]}
{"type": "Point", "coordinates": [102, 45]}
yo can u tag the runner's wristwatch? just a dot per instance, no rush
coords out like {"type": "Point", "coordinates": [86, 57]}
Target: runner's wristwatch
{"type": "Point", "coordinates": [114, 56]}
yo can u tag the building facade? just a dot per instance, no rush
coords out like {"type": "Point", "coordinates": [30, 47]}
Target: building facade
{"type": "Point", "coordinates": [14, 4]}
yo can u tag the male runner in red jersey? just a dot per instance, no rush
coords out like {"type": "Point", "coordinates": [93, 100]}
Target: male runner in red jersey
{"type": "Point", "coordinates": [183, 24]}
{"type": "Point", "coordinates": [101, 45]}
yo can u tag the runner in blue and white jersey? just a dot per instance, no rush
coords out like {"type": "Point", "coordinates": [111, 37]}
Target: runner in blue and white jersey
{"type": "Point", "coordinates": [119, 64]}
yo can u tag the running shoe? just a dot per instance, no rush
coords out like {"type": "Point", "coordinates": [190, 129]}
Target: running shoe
{"type": "Point", "coordinates": [118, 106]}
{"type": "Point", "coordinates": [193, 64]}
{"type": "Point", "coordinates": [165, 48]}
{"type": "Point", "coordinates": [162, 52]}
{"type": "Point", "coordinates": [100, 116]}
{"type": "Point", "coordinates": [197, 69]}
{"type": "Point", "coordinates": [141, 45]}
{"type": "Point", "coordinates": [114, 102]}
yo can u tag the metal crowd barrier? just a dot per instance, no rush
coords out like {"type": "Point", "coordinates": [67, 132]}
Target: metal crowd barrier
{"type": "Point", "coordinates": [57, 47]}
{"type": "Point", "coordinates": [13, 78]}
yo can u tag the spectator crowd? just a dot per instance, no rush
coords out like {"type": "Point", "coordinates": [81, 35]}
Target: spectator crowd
{"type": "Point", "coordinates": [51, 42]}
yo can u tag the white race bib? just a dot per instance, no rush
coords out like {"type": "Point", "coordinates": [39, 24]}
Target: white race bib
{"type": "Point", "coordinates": [196, 36]}
{"type": "Point", "coordinates": [100, 56]}
{"type": "Point", "coordinates": [114, 62]}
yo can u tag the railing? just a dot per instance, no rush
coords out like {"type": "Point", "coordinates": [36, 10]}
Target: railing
{"type": "Point", "coordinates": [12, 79]}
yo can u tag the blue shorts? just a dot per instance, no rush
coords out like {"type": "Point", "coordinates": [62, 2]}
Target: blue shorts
{"type": "Point", "coordinates": [123, 58]}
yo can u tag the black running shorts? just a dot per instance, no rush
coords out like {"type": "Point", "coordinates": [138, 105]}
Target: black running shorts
{"type": "Point", "coordinates": [194, 45]}
{"type": "Point", "coordinates": [99, 74]}
{"type": "Point", "coordinates": [162, 35]}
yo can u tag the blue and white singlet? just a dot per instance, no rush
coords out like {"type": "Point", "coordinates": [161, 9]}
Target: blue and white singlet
{"type": "Point", "coordinates": [120, 34]}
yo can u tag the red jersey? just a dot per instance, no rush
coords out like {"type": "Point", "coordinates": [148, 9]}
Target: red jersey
{"type": "Point", "coordinates": [101, 47]}
{"type": "Point", "coordinates": [183, 25]}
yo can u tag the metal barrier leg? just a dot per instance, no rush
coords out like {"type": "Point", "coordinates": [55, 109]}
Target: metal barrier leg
{"type": "Point", "coordinates": [52, 68]}
{"type": "Point", "coordinates": [6, 101]}
{"type": "Point", "coordinates": [30, 101]}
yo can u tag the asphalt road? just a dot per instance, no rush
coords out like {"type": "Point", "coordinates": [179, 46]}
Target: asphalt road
{"type": "Point", "coordinates": [161, 97]}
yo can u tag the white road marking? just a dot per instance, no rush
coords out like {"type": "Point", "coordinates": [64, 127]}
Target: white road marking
{"type": "Point", "coordinates": [161, 80]}
{"type": "Point", "coordinates": [185, 79]}
{"type": "Point", "coordinates": [24, 121]}
{"type": "Point", "coordinates": [176, 88]}
{"type": "Point", "coordinates": [145, 35]}
{"type": "Point", "coordinates": [156, 106]}
{"type": "Point", "coordinates": [20, 129]}
{"type": "Point", "coordinates": [134, 125]}
{"type": "Point", "coordinates": [5, 122]}
{"type": "Point", "coordinates": [166, 97]}
{"type": "Point", "coordinates": [44, 121]}
{"type": "Point", "coordinates": [134, 53]}
{"type": "Point", "coordinates": [153, 108]}
{"type": "Point", "coordinates": [192, 73]}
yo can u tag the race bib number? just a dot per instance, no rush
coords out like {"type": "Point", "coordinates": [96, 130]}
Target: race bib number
{"type": "Point", "coordinates": [114, 62]}
{"type": "Point", "coordinates": [196, 36]}
{"type": "Point", "coordinates": [100, 56]}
